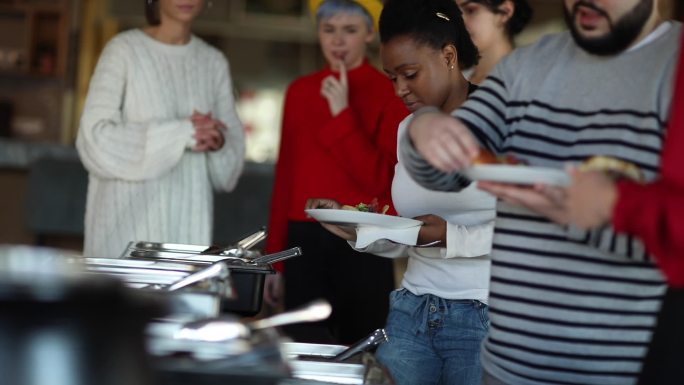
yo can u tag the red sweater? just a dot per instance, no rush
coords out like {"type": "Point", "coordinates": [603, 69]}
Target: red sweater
{"type": "Point", "coordinates": [655, 212]}
{"type": "Point", "coordinates": [349, 158]}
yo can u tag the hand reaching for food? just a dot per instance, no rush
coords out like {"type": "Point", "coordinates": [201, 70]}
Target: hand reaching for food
{"type": "Point", "coordinates": [446, 143]}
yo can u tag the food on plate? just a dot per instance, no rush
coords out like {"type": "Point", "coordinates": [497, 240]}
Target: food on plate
{"type": "Point", "coordinates": [487, 157]}
{"type": "Point", "coordinates": [614, 167]}
{"type": "Point", "coordinates": [371, 207]}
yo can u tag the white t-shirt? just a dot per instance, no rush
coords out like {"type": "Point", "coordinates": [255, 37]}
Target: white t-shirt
{"type": "Point", "coordinates": [461, 269]}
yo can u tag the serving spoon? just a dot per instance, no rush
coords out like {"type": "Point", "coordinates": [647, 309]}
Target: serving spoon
{"type": "Point", "coordinates": [227, 328]}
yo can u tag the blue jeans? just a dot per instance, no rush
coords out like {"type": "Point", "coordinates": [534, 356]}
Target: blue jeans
{"type": "Point", "coordinates": [433, 340]}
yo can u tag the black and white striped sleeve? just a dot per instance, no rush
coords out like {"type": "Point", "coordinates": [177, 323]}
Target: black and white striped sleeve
{"type": "Point", "coordinates": [424, 173]}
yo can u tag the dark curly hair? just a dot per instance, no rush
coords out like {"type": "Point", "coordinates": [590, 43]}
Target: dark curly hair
{"type": "Point", "coordinates": [152, 12]}
{"type": "Point", "coordinates": [520, 18]}
{"type": "Point", "coordinates": [436, 23]}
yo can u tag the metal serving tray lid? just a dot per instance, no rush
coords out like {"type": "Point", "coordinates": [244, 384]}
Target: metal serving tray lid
{"type": "Point", "coordinates": [296, 349]}
{"type": "Point", "coordinates": [139, 272]}
{"type": "Point", "coordinates": [233, 263]}
{"type": "Point", "coordinates": [168, 247]}
{"type": "Point", "coordinates": [139, 264]}
{"type": "Point", "coordinates": [158, 274]}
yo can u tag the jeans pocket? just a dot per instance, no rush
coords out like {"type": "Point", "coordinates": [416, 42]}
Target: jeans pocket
{"type": "Point", "coordinates": [483, 310]}
{"type": "Point", "coordinates": [395, 295]}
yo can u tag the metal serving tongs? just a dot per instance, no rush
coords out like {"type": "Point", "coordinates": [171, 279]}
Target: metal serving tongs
{"type": "Point", "coordinates": [374, 339]}
{"type": "Point", "coordinates": [199, 259]}
{"type": "Point", "coordinates": [277, 257]}
{"type": "Point", "coordinates": [239, 248]}
{"type": "Point", "coordinates": [218, 270]}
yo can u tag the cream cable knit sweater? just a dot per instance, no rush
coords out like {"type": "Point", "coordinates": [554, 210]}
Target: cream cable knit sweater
{"type": "Point", "coordinates": [144, 183]}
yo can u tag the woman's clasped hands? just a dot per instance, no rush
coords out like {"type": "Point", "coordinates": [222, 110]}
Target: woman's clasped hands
{"type": "Point", "coordinates": [208, 132]}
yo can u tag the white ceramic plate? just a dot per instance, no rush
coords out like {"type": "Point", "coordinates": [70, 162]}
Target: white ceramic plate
{"type": "Point", "coordinates": [518, 174]}
{"type": "Point", "coordinates": [360, 218]}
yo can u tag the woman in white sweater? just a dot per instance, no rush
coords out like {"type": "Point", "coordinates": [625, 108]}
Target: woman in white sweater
{"type": "Point", "coordinates": [159, 133]}
{"type": "Point", "coordinates": [438, 317]}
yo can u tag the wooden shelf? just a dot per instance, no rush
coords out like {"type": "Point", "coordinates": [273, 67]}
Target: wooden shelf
{"type": "Point", "coordinates": [35, 37]}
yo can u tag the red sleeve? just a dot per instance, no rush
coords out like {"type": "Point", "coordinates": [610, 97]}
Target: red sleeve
{"type": "Point", "coordinates": [655, 212]}
{"type": "Point", "coordinates": [277, 226]}
{"type": "Point", "coordinates": [377, 156]}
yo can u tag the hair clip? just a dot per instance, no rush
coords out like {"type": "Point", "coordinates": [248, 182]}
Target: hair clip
{"type": "Point", "coordinates": [442, 16]}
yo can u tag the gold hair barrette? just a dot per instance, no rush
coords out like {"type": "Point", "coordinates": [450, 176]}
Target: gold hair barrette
{"type": "Point", "coordinates": [442, 16]}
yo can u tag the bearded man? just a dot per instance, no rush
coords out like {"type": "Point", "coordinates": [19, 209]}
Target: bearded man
{"type": "Point", "coordinates": [567, 306]}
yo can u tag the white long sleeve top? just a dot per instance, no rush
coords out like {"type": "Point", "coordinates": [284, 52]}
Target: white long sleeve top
{"type": "Point", "coordinates": [461, 269]}
{"type": "Point", "coordinates": [144, 181]}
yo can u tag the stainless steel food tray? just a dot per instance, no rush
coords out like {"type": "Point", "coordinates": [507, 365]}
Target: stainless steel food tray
{"type": "Point", "coordinates": [181, 248]}
{"type": "Point", "coordinates": [238, 248]}
{"type": "Point", "coordinates": [248, 269]}
{"type": "Point", "coordinates": [158, 275]}
{"type": "Point", "coordinates": [331, 372]}
{"type": "Point", "coordinates": [198, 302]}
{"type": "Point", "coordinates": [138, 272]}
{"type": "Point", "coordinates": [296, 349]}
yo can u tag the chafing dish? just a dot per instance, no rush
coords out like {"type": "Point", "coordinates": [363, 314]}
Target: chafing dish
{"type": "Point", "coordinates": [241, 249]}
{"type": "Point", "coordinates": [334, 363]}
{"type": "Point", "coordinates": [228, 343]}
{"type": "Point", "coordinates": [248, 270]}
{"type": "Point", "coordinates": [62, 326]}
{"type": "Point", "coordinates": [200, 300]}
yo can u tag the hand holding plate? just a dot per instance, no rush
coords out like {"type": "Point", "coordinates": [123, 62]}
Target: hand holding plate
{"type": "Point", "coordinates": [434, 229]}
{"type": "Point", "coordinates": [549, 201]}
{"type": "Point", "coordinates": [345, 232]}
{"type": "Point", "coordinates": [591, 198]}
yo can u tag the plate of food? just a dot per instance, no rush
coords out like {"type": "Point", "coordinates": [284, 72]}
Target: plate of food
{"type": "Point", "coordinates": [490, 168]}
{"type": "Point", "coordinates": [363, 214]}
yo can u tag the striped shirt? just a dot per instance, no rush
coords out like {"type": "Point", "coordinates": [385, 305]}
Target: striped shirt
{"type": "Point", "coordinates": [568, 306]}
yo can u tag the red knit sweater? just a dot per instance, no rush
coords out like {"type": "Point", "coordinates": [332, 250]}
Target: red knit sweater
{"type": "Point", "coordinates": [655, 212]}
{"type": "Point", "coordinates": [349, 158]}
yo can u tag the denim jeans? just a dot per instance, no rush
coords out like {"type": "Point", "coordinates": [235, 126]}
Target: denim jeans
{"type": "Point", "coordinates": [433, 340]}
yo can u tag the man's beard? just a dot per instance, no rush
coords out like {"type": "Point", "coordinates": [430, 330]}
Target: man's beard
{"type": "Point", "coordinates": [622, 33]}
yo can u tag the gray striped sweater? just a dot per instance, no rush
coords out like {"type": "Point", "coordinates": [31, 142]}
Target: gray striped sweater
{"type": "Point", "coordinates": [567, 306]}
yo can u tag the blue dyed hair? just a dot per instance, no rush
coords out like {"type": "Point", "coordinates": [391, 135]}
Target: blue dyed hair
{"type": "Point", "coordinates": [330, 8]}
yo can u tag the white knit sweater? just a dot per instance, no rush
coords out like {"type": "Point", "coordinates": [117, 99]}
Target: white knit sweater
{"type": "Point", "coordinates": [144, 182]}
